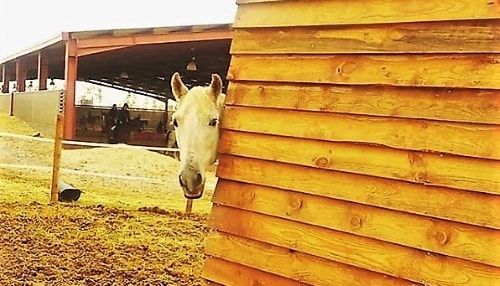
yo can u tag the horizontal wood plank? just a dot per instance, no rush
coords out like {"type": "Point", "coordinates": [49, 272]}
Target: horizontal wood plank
{"type": "Point", "coordinates": [474, 140]}
{"type": "Point", "coordinates": [418, 167]}
{"type": "Point", "coordinates": [229, 273]}
{"type": "Point", "coordinates": [467, 71]}
{"type": "Point", "coordinates": [326, 12]}
{"type": "Point", "coordinates": [295, 265]}
{"type": "Point", "coordinates": [444, 104]}
{"type": "Point", "coordinates": [435, 235]}
{"type": "Point", "coordinates": [239, 2]}
{"type": "Point", "coordinates": [411, 264]}
{"type": "Point", "coordinates": [451, 204]}
{"type": "Point", "coordinates": [210, 283]}
{"type": "Point", "coordinates": [437, 37]}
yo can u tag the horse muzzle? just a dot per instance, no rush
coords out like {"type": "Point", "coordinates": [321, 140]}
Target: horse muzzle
{"type": "Point", "coordinates": [192, 183]}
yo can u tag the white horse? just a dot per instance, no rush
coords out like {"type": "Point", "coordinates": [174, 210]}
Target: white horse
{"type": "Point", "coordinates": [197, 129]}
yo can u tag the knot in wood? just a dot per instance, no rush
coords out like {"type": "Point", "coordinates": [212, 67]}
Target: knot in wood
{"type": "Point", "coordinates": [248, 196]}
{"type": "Point", "coordinates": [441, 237]}
{"type": "Point", "coordinates": [256, 283]}
{"type": "Point", "coordinates": [346, 67]}
{"type": "Point", "coordinates": [356, 221]}
{"type": "Point", "coordinates": [296, 204]}
{"type": "Point", "coordinates": [322, 162]}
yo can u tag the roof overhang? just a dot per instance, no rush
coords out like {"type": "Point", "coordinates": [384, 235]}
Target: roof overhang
{"type": "Point", "coordinates": [139, 60]}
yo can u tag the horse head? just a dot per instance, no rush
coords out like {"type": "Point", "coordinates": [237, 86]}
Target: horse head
{"type": "Point", "coordinates": [196, 121]}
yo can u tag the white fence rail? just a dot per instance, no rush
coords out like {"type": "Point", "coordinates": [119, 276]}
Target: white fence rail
{"type": "Point", "coordinates": [90, 144]}
{"type": "Point", "coordinates": [55, 168]}
{"type": "Point", "coordinates": [80, 172]}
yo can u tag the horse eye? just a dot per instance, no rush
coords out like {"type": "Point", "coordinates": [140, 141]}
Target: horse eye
{"type": "Point", "coordinates": [175, 123]}
{"type": "Point", "coordinates": [213, 122]}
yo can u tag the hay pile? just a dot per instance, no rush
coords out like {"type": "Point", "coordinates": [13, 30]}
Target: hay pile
{"type": "Point", "coordinates": [72, 245]}
{"type": "Point", "coordinates": [120, 232]}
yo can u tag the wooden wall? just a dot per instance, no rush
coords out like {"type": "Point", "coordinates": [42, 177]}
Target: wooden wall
{"type": "Point", "coordinates": [360, 145]}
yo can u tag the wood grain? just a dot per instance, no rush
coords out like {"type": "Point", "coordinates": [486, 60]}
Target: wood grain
{"type": "Point", "coordinates": [418, 167]}
{"type": "Point", "coordinates": [450, 70]}
{"type": "Point", "coordinates": [442, 104]}
{"type": "Point", "coordinates": [325, 12]}
{"type": "Point", "coordinates": [390, 259]}
{"type": "Point", "coordinates": [445, 237]}
{"type": "Point", "coordinates": [291, 264]}
{"type": "Point", "coordinates": [229, 273]}
{"type": "Point", "coordinates": [450, 204]}
{"type": "Point", "coordinates": [435, 37]}
{"type": "Point", "coordinates": [210, 283]}
{"type": "Point", "coordinates": [474, 140]}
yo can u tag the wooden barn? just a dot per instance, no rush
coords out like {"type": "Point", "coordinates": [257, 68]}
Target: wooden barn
{"type": "Point", "coordinates": [360, 145]}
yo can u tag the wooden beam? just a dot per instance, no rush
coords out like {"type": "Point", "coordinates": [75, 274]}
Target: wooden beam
{"type": "Point", "coordinates": [43, 71]}
{"type": "Point", "coordinates": [70, 76]}
{"type": "Point", "coordinates": [291, 264]}
{"type": "Point", "coordinates": [466, 207]}
{"type": "Point", "coordinates": [94, 50]}
{"type": "Point", "coordinates": [5, 79]}
{"type": "Point", "coordinates": [443, 104]}
{"type": "Point", "coordinates": [227, 273]}
{"type": "Point", "coordinates": [472, 140]}
{"type": "Point", "coordinates": [480, 36]}
{"type": "Point", "coordinates": [444, 70]}
{"type": "Point", "coordinates": [316, 13]}
{"type": "Point", "coordinates": [20, 75]}
{"type": "Point", "coordinates": [379, 257]}
{"type": "Point", "coordinates": [419, 232]}
{"type": "Point", "coordinates": [153, 39]}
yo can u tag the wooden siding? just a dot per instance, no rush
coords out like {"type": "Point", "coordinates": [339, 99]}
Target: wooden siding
{"type": "Point", "coordinates": [360, 145]}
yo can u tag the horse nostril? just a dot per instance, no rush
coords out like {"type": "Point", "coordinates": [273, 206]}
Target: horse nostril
{"type": "Point", "coordinates": [198, 179]}
{"type": "Point", "coordinates": [180, 181]}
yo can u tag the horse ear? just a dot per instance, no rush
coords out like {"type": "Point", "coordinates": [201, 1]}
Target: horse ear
{"type": "Point", "coordinates": [178, 87]}
{"type": "Point", "coordinates": [215, 86]}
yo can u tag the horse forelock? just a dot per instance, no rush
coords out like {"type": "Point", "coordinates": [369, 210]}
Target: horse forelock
{"type": "Point", "coordinates": [199, 101]}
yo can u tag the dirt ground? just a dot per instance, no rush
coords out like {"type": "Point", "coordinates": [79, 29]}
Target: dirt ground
{"type": "Point", "coordinates": [127, 229]}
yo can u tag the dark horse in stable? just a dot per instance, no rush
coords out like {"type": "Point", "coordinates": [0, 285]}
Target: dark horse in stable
{"type": "Point", "coordinates": [120, 132]}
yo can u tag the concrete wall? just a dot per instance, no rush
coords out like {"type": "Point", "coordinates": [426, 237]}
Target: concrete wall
{"type": "Point", "coordinates": [4, 102]}
{"type": "Point", "coordinates": [38, 109]}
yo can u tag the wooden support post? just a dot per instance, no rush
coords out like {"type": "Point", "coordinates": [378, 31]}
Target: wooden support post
{"type": "Point", "coordinates": [11, 104]}
{"type": "Point", "coordinates": [20, 75]}
{"type": "Point", "coordinates": [189, 206]}
{"type": "Point", "coordinates": [70, 76]}
{"type": "Point", "coordinates": [5, 79]}
{"type": "Point", "coordinates": [54, 190]}
{"type": "Point", "coordinates": [43, 71]}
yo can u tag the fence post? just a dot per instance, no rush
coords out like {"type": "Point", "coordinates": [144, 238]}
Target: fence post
{"type": "Point", "coordinates": [11, 104]}
{"type": "Point", "coordinates": [189, 205]}
{"type": "Point", "coordinates": [54, 191]}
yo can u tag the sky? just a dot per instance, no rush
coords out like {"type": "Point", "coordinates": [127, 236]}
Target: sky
{"type": "Point", "coordinates": [29, 22]}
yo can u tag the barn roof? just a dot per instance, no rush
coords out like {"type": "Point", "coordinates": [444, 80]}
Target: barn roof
{"type": "Point", "coordinates": [139, 60]}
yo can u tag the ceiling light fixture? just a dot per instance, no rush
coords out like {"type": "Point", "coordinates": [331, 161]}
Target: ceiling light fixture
{"type": "Point", "coordinates": [191, 66]}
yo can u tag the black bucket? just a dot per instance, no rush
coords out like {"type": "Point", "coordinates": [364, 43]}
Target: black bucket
{"type": "Point", "coordinates": [68, 193]}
